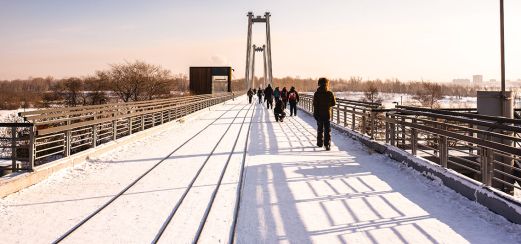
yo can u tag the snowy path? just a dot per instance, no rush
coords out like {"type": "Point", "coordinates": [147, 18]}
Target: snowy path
{"type": "Point", "coordinates": [293, 192]}
{"type": "Point", "coordinates": [297, 193]}
{"type": "Point", "coordinates": [42, 213]}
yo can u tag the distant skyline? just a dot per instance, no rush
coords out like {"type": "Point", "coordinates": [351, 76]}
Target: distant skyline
{"type": "Point", "coordinates": [405, 39]}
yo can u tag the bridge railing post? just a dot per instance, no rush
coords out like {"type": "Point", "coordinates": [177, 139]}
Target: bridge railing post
{"type": "Point", "coordinates": [114, 130]}
{"type": "Point", "coordinates": [142, 122]}
{"type": "Point", "coordinates": [94, 135]}
{"type": "Point", "coordinates": [353, 119]}
{"type": "Point", "coordinates": [393, 130]}
{"type": "Point", "coordinates": [387, 128]}
{"type": "Point", "coordinates": [414, 139]}
{"type": "Point", "coordinates": [402, 131]}
{"type": "Point", "coordinates": [372, 119]}
{"type": "Point", "coordinates": [345, 116]}
{"type": "Point", "coordinates": [130, 125]}
{"type": "Point", "coordinates": [487, 164]}
{"type": "Point", "coordinates": [364, 114]}
{"type": "Point", "coordinates": [444, 152]}
{"type": "Point", "coordinates": [32, 155]}
{"type": "Point", "coordinates": [14, 165]}
{"type": "Point", "coordinates": [338, 113]}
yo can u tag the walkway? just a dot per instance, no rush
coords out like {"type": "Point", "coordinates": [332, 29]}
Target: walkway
{"type": "Point", "coordinates": [293, 192]}
{"type": "Point", "coordinates": [298, 193]}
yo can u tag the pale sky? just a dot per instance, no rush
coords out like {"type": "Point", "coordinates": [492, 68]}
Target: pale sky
{"type": "Point", "coordinates": [436, 40]}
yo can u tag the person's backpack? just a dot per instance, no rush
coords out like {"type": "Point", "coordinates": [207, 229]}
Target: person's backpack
{"type": "Point", "coordinates": [292, 96]}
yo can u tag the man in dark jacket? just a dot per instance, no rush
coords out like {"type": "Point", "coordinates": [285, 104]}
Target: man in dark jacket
{"type": "Point", "coordinates": [250, 95]}
{"type": "Point", "coordinates": [323, 101]}
{"type": "Point", "coordinates": [268, 95]}
{"type": "Point", "coordinates": [259, 95]}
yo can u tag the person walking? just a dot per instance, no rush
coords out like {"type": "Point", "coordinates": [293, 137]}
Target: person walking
{"type": "Point", "coordinates": [278, 111]}
{"type": "Point", "coordinates": [276, 94]}
{"type": "Point", "coordinates": [293, 100]}
{"type": "Point", "coordinates": [284, 97]}
{"type": "Point", "coordinates": [250, 95]}
{"type": "Point", "coordinates": [259, 95]}
{"type": "Point", "coordinates": [268, 96]}
{"type": "Point", "coordinates": [323, 101]}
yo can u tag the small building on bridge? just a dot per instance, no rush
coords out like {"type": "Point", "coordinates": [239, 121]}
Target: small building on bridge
{"type": "Point", "coordinates": [210, 80]}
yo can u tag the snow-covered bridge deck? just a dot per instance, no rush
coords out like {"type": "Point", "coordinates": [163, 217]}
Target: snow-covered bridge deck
{"type": "Point", "coordinates": [292, 192]}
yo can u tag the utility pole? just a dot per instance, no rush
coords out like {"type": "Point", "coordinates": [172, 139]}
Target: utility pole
{"type": "Point", "coordinates": [502, 38]}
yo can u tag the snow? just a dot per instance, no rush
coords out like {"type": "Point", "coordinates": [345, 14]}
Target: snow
{"type": "Point", "coordinates": [293, 192]}
{"type": "Point", "coordinates": [407, 99]}
{"type": "Point", "coordinates": [297, 193]}
{"type": "Point", "coordinates": [5, 114]}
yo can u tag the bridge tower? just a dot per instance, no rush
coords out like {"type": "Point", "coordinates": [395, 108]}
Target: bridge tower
{"type": "Point", "coordinates": [252, 78]}
{"type": "Point", "coordinates": [251, 49]}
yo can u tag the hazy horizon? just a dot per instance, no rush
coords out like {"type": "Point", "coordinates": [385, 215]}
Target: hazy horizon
{"type": "Point", "coordinates": [405, 39]}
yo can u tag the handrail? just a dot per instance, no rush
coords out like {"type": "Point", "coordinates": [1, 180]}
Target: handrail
{"type": "Point", "coordinates": [16, 139]}
{"type": "Point", "coordinates": [57, 112]}
{"type": "Point", "coordinates": [476, 116]}
{"type": "Point", "coordinates": [60, 132]}
{"type": "Point", "coordinates": [484, 148]}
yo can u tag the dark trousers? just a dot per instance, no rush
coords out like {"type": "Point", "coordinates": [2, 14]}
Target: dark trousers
{"type": "Point", "coordinates": [260, 99]}
{"type": "Point", "coordinates": [293, 108]}
{"type": "Point", "coordinates": [323, 132]}
{"type": "Point", "coordinates": [269, 103]}
{"type": "Point", "coordinates": [284, 103]}
{"type": "Point", "coordinates": [249, 98]}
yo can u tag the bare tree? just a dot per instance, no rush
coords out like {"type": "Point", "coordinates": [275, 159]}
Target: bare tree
{"type": "Point", "coordinates": [74, 92]}
{"type": "Point", "coordinates": [371, 94]}
{"type": "Point", "coordinates": [95, 90]}
{"type": "Point", "coordinates": [136, 81]}
{"type": "Point", "coordinates": [429, 95]}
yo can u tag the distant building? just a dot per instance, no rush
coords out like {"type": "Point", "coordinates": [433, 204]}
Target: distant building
{"type": "Point", "coordinates": [461, 82]}
{"type": "Point", "coordinates": [477, 79]}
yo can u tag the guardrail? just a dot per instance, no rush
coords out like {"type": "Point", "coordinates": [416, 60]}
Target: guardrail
{"type": "Point", "coordinates": [484, 148]}
{"type": "Point", "coordinates": [16, 140]}
{"type": "Point", "coordinates": [61, 132]}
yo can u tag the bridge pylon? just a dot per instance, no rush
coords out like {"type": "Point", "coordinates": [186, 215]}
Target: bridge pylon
{"type": "Point", "coordinates": [252, 49]}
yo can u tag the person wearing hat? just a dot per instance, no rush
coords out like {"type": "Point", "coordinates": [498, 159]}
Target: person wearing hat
{"type": "Point", "coordinates": [323, 101]}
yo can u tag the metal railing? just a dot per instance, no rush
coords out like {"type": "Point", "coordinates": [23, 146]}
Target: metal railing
{"type": "Point", "coordinates": [16, 140]}
{"type": "Point", "coordinates": [52, 134]}
{"type": "Point", "coordinates": [484, 148]}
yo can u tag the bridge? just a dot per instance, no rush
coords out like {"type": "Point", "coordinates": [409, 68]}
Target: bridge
{"type": "Point", "coordinates": [213, 169]}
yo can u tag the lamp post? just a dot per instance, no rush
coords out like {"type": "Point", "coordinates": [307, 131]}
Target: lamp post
{"type": "Point", "coordinates": [502, 38]}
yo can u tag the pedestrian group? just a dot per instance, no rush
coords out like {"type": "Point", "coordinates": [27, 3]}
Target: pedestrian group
{"type": "Point", "coordinates": [323, 101]}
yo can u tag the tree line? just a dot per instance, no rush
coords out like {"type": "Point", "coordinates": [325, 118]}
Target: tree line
{"type": "Point", "coordinates": [427, 94]}
{"type": "Point", "coordinates": [129, 81]}
{"type": "Point", "coordinates": [136, 81]}
{"type": "Point", "coordinates": [357, 84]}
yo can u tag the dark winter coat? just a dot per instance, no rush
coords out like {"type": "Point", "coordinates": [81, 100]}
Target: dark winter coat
{"type": "Point", "coordinates": [268, 92]}
{"type": "Point", "coordinates": [296, 96]}
{"type": "Point", "coordinates": [323, 101]}
{"type": "Point", "coordinates": [284, 94]}
{"type": "Point", "coordinates": [278, 107]}
{"type": "Point", "coordinates": [250, 93]}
